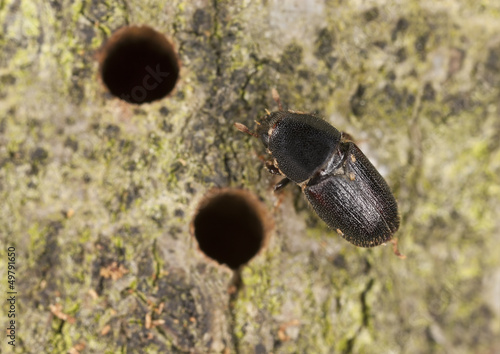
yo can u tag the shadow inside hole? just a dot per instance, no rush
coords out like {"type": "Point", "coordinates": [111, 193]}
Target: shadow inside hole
{"type": "Point", "coordinates": [139, 65]}
{"type": "Point", "coordinates": [229, 229]}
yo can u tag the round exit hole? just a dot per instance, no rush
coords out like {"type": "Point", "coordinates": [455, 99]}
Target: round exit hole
{"type": "Point", "coordinates": [139, 65]}
{"type": "Point", "coordinates": [231, 226]}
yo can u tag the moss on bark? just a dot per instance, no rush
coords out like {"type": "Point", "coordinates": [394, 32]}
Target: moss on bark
{"type": "Point", "coordinates": [97, 195]}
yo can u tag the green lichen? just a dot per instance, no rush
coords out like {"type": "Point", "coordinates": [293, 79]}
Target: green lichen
{"type": "Point", "coordinates": [416, 84]}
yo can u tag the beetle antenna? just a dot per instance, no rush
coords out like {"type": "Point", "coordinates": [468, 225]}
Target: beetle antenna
{"type": "Point", "coordinates": [244, 129]}
{"type": "Point", "coordinates": [276, 98]}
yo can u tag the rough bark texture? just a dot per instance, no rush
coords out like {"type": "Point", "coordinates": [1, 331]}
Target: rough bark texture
{"type": "Point", "coordinates": [97, 195]}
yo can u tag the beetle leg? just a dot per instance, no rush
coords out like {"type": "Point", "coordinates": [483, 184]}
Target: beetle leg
{"type": "Point", "coordinates": [281, 184]}
{"type": "Point", "coordinates": [272, 169]}
{"type": "Point", "coordinates": [279, 200]}
{"type": "Point", "coordinates": [394, 242]}
{"type": "Point", "coordinates": [276, 171]}
{"type": "Point", "coordinates": [346, 138]}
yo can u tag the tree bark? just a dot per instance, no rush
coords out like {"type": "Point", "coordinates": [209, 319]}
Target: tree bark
{"type": "Point", "coordinates": [98, 194]}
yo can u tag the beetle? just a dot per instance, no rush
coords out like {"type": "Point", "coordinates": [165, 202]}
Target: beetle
{"type": "Point", "coordinates": [338, 180]}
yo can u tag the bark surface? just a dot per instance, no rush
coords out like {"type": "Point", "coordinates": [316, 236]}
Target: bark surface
{"type": "Point", "coordinates": [97, 195]}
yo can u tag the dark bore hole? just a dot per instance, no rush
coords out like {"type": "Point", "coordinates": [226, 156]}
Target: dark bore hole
{"type": "Point", "coordinates": [230, 227]}
{"type": "Point", "coordinates": [139, 65]}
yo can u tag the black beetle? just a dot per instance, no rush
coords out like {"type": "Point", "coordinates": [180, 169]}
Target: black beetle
{"type": "Point", "coordinates": [340, 183]}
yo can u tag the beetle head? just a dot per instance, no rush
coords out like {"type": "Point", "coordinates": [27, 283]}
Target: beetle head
{"type": "Point", "coordinates": [266, 125]}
